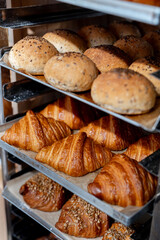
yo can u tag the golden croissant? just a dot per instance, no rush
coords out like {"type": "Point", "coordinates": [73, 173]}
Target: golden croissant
{"type": "Point", "coordinates": [42, 193]}
{"type": "Point", "coordinates": [123, 182]}
{"type": "Point", "coordinates": [34, 131]}
{"type": "Point", "coordinates": [74, 113]}
{"type": "Point", "coordinates": [112, 132]}
{"type": "Point", "coordinates": [81, 219]}
{"type": "Point", "coordinates": [76, 155]}
{"type": "Point", "coordinates": [144, 147]}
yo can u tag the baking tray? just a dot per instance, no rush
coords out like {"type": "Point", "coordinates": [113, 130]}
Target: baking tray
{"type": "Point", "coordinates": [78, 185]}
{"type": "Point", "coordinates": [148, 121]}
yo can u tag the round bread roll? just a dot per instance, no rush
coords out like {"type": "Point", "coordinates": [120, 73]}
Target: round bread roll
{"type": "Point", "coordinates": [146, 66]}
{"type": "Point", "coordinates": [145, 28]}
{"type": "Point", "coordinates": [66, 41]}
{"type": "Point", "coordinates": [123, 91]}
{"type": "Point", "coordinates": [154, 39]}
{"type": "Point", "coordinates": [70, 72]}
{"type": "Point", "coordinates": [30, 54]}
{"type": "Point", "coordinates": [135, 47]}
{"type": "Point", "coordinates": [96, 35]}
{"type": "Point", "coordinates": [124, 28]}
{"type": "Point", "coordinates": [107, 57]}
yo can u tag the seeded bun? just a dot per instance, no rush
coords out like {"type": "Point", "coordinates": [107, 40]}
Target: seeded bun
{"type": "Point", "coordinates": [70, 72]}
{"type": "Point", "coordinates": [146, 66]}
{"type": "Point", "coordinates": [66, 41]}
{"type": "Point", "coordinates": [124, 28]}
{"type": "Point", "coordinates": [107, 57]}
{"type": "Point", "coordinates": [123, 91]}
{"type": "Point", "coordinates": [154, 39]}
{"type": "Point", "coordinates": [30, 54]}
{"type": "Point", "coordinates": [96, 35]}
{"type": "Point", "coordinates": [135, 47]}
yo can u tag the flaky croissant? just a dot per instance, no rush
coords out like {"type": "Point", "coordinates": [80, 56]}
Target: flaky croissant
{"type": "Point", "coordinates": [42, 193]}
{"type": "Point", "coordinates": [75, 155]}
{"type": "Point", "coordinates": [34, 131]}
{"type": "Point", "coordinates": [112, 132]}
{"type": "Point", "coordinates": [144, 147]}
{"type": "Point", "coordinates": [81, 219]}
{"type": "Point", "coordinates": [123, 182]}
{"type": "Point", "coordinates": [74, 113]}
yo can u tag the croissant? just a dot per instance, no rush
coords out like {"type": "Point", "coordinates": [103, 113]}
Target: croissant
{"type": "Point", "coordinates": [123, 182]}
{"type": "Point", "coordinates": [75, 155]}
{"type": "Point", "coordinates": [112, 132]}
{"type": "Point", "coordinates": [74, 113]}
{"type": "Point", "coordinates": [81, 219]}
{"type": "Point", "coordinates": [42, 193]}
{"type": "Point", "coordinates": [118, 231]}
{"type": "Point", "coordinates": [34, 131]}
{"type": "Point", "coordinates": [144, 147]}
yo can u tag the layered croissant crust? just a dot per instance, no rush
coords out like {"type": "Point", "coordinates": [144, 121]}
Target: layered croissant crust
{"type": "Point", "coordinates": [75, 155]}
{"type": "Point", "coordinates": [42, 193]}
{"type": "Point", "coordinates": [81, 219]}
{"type": "Point", "coordinates": [34, 131]}
{"type": "Point", "coordinates": [144, 147]}
{"type": "Point", "coordinates": [123, 182]}
{"type": "Point", "coordinates": [112, 132]}
{"type": "Point", "coordinates": [74, 113]}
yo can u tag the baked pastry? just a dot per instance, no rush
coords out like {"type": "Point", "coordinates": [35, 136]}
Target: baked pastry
{"type": "Point", "coordinates": [96, 35]}
{"type": "Point", "coordinates": [124, 28]}
{"type": "Point", "coordinates": [135, 47]}
{"type": "Point", "coordinates": [112, 132]}
{"type": "Point", "coordinates": [81, 219]}
{"type": "Point", "coordinates": [75, 155]}
{"type": "Point", "coordinates": [144, 147]}
{"type": "Point", "coordinates": [146, 66]}
{"type": "Point", "coordinates": [70, 72]}
{"type": "Point", "coordinates": [124, 91]}
{"type": "Point", "coordinates": [42, 193]}
{"type": "Point", "coordinates": [65, 40]}
{"type": "Point", "coordinates": [123, 182]}
{"type": "Point", "coordinates": [30, 54]}
{"type": "Point", "coordinates": [71, 111]}
{"type": "Point", "coordinates": [153, 38]}
{"type": "Point", "coordinates": [145, 28]}
{"type": "Point", "coordinates": [118, 231]}
{"type": "Point", "coordinates": [34, 131]}
{"type": "Point", "coordinates": [107, 57]}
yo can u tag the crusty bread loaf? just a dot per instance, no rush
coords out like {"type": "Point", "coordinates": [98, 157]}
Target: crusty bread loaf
{"type": "Point", "coordinates": [154, 39]}
{"type": "Point", "coordinates": [123, 91]}
{"type": "Point", "coordinates": [71, 72]}
{"type": "Point", "coordinates": [30, 54]}
{"type": "Point", "coordinates": [146, 66]}
{"type": "Point", "coordinates": [135, 47]}
{"type": "Point", "coordinates": [124, 28]}
{"type": "Point", "coordinates": [66, 41]}
{"type": "Point", "coordinates": [107, 57]}
{"type": "Point", "coordinates": [96, 35]}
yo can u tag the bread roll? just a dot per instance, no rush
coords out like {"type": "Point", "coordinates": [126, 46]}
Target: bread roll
{"type": "Point", "coordinates": [71, 72]}
{"type": "Point", "coordinates": [66, 41]}
{"type": "Point", "coordinates": [124, 28]}
{"type": "Point", "coordinates": [145, 28]}
{"type": "Point", "coordinates": [154, 39]}
{"type": "Point", "coordinates": [108, 57]}
{"type": "Point", "coordinates": [146, 66]}
{"type": "Point", "coordinates": [123, 91]}
{"type": "Point", "coordinates": [96, 35]}
{"type": "Point", "coordinates": [30, 54]}
{"type": "Point", "coordinates": [135, 47]}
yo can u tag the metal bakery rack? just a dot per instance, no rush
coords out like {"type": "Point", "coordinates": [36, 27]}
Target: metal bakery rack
{"type": "Point", "coordinates": [36, 87]}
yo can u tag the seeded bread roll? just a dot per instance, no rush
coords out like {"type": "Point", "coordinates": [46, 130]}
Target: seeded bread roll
{"type": "Point", "coordinates": [70, 72]}
{"type": "Point", "coordinates": [123, 91]}
{"type": "Point", "coordinates": [146, 66]}
{"type": "Point", "coordinates": [154, 39]}
{"type": "Point", "coordinates": [108, 57]}
{"type": "Point", "coordinates": [135, 47]}
{"type": "Point", "coordinates": [124, 28]}
{"type": "Point", "coordinates": [30, 54]}
{"type": "Point", "coordinates": [96, 35]}
{"type": "Point", "coordinates": [66, 41]}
